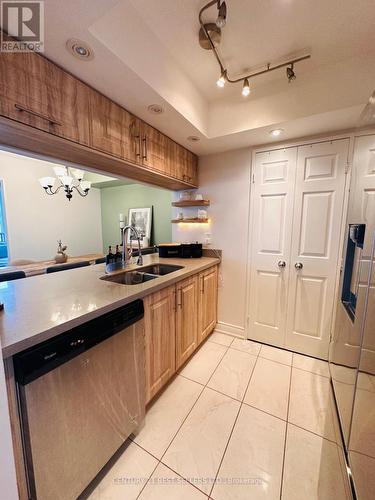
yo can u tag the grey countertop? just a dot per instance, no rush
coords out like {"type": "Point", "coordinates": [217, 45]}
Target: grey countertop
{"type": "Point", "coordinates": [41, 307]}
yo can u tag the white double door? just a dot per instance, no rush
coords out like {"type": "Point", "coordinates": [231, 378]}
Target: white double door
{"type": "Point", "coordinates": [297, 210]}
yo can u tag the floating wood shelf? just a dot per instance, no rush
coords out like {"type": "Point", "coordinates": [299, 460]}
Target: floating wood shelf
{"type": "Point", "coordinates": [191, 203]}
{"type": "Point", "coordinates": [195, 220]}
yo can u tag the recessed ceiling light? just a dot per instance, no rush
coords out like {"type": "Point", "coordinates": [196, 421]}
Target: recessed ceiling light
{"type": "Point", "coordinates": [80, 49]}
{"type": "Point", "coordinates": [156, 109]}
{"type": "Point", "coordinates": [276, 132]}
{"type": "Point", "coordinates": [193, 138]}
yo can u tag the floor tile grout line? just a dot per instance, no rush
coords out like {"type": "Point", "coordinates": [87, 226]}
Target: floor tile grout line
{"type": "Point", "coordinates": [152, 473]}
{"type": "Point", "coordinates": [191, 409]}
{"type": "Point", "coordinates": [309, 371]}
{"type": "Point", "coordinates": [182, 423]}
{"type": "Point", "coordinates": [286, 429]}
{"type": "Point", "coordinates": [182, 477]}
{"type": "Point", "coordinates": [234, 425]}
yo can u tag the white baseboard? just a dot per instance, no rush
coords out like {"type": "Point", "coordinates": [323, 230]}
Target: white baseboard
{"type": "Point", "coordinates": [236, 331]}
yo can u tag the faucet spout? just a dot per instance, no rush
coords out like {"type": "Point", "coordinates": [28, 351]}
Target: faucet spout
{"type": "Point", "coordinates": [125, 257]}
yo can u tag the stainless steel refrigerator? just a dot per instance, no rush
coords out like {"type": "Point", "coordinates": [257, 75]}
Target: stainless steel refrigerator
{"type": "Point", "coordinates": [352, 348]}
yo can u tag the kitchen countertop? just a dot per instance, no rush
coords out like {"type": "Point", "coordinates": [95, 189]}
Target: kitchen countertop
{"type": "Point", "coordinates": [40, 307]}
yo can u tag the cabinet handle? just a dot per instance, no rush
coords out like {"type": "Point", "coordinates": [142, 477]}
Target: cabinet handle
{"type": "Point", "coordinates": [144, 156]}
{"type": "Point", "coordinates": [179, 304]}
{"type": "Point", "coordinates": [175, 300]}
{"type": "Point", "coordinates": [298, 266]}
{"type": "Point", "coordinates": [34, 113]}
{"type": "Point", "coordinates": [202, 289]}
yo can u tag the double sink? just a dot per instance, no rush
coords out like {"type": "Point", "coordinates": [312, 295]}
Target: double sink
{"type": "Point", "coordinates": [142, 275]}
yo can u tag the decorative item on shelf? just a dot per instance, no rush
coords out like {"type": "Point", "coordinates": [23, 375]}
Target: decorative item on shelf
{"type": "Point", "coordinates": [199, 196]}
{"type": "Point", "coordinates": [67, 178]}
{"type": "Point", "coordinates": [185, 196]}
{"type": "Point", "coordinates": [61, 257]}
{"type": "Point", "coordinates": [180, 216]}
{"type": "Point", "coordinates": [202, 214]}
{"type": "Point", "coordinates": [210, 38]}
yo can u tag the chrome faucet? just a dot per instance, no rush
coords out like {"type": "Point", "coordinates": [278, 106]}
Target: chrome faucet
{"type": "Point", "coordinates": [125, 257]}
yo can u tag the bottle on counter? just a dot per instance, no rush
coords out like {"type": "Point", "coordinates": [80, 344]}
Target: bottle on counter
{"type": "Point", "coordinates": [109, 259]}
{"type": "Point", "coordinates": [118, 255]}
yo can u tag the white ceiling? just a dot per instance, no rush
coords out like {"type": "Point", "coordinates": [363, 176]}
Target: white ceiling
{"type": "Point", "coordinates": [147, 51]}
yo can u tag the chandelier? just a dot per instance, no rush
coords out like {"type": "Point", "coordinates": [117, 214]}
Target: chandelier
{"type": "Point", "coordinates": [68, 179]}
{"type": "Point", "coordinates": [210, 37]}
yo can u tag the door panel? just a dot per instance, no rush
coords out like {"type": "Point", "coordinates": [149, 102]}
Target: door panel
{"type": "Point", "coordinates": [186, 319]}
{"type": "Point", "coordinates": [272, 208]}
{"type": "Point", "coordinates": [160, 339]}
{"type": "Point", "coordinates": [207, 304]}
{"type": "Point", "coordinates": [318, 206]}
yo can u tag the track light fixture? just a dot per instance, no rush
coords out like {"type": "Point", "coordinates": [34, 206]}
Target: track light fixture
{"type": "Point", "coordinates": [210, 37]}
{"type": "Point", "coordinates": [290, 73]}
{"type": "Point", "coordinates": [246, 88]}
{"type": "Point", "coordinates": [222, 16]}
{"type": "Point", "coordinates": [221, 81]}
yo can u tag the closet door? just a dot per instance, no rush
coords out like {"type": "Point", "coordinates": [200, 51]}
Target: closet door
{"type": "Point", "coordinates": [272, 209]}
{"type": "Point", "coordinates": [317, 219]}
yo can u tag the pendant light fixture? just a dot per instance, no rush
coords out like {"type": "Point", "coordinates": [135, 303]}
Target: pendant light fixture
{"type": "Point", "coordinates": [67, 178]}
{"type": "Point", "coordinates": [210, 37]}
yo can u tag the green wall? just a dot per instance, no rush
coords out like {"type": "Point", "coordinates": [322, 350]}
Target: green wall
{"type": "Point", "coordinates": [116, 200]}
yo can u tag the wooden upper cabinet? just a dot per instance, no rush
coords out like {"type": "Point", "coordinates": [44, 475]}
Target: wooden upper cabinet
{"type": "Point", "coordinates": [155, 149]}
{"type": "Point", "coordinates": [207, 303]}
{"type": "Point", "coordinates": [38, 93]}
{"type": "Point", "coordinates": [160, 339]}
{"type": "Point", "coordinates": [113, 129]}
{"type": "Point", "coordinates": [186, 319]}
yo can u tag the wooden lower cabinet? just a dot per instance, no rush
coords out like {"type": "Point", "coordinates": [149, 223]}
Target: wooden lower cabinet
{"type": "Point", "coordinates": [177, 320]}
{"type": "Point", "coordinates": [160, 339]}
{"type": "Point", "coordinates": [207, 303]}
{"type": "Point", "coordinates": [186, 319]}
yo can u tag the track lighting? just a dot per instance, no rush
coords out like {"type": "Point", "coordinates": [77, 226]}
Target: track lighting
{"type": "Point", "coordinates": [290, 73]}
{"type": "Point", "coordinates": [221, 81]}
{"type": "Point", "coordinates": [210, 38]}
{"type": "Point", "coordinates": [246, 88]}
{"type": "Point", "coordinates": [222, 16]}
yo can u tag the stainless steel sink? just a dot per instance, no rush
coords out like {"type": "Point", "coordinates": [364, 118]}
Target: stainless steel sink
{"type": "Point", "coordinates": [160, 269]}
{"type": "Point", "coordinates": [130, 278]}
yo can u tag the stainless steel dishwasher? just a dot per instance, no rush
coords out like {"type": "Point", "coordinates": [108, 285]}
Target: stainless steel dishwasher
{"type": "Point", "coordinates": [81, 395]}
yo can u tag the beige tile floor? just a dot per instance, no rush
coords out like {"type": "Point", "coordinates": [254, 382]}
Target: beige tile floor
{"type": "Point", "coordinates": [240, 421]}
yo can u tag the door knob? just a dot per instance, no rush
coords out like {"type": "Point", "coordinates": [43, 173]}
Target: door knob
{"type": "Point", "coordinates": [298, 265]}
{"type": "Point", "coordinates": [281, 264]}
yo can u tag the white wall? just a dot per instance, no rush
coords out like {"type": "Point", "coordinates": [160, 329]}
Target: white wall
{"type": "Point", "coordinates": [224, 179]}
{"type": "Point", "coordinates": [36, 221]}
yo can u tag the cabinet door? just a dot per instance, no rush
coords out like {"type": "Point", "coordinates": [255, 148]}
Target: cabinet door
{"type": "Point", "coordinates": [160, 339]}
{"type": "Point", "coordinates": [186, 319]}
{"type": "Point", "coordinates": [207, 309]}
{"type": "Point", "coordinates": [155, 149]}
{"type": "Point", "coordinates": [38, 93]}
{"type": "Point", "coordinates": [184, 165]}
{"type": "Point", "coordinates": [113, 130]}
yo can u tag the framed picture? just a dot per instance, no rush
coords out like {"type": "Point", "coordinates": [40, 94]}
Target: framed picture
{"type": "Point", "coordinates": [141, 219]}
